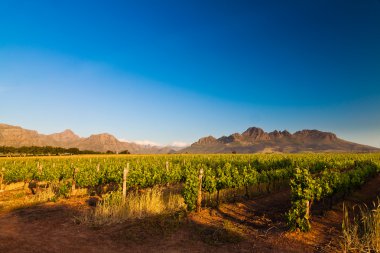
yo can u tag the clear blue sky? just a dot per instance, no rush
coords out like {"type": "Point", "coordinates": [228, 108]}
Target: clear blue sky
{"type": "Point", "coordinates": [173, 71]}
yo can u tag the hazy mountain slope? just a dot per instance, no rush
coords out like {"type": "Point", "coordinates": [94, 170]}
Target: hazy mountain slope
{"type": "Point", "coordinates": [15, 136]}
{"type": "Point", "coordinates": [66, 138]}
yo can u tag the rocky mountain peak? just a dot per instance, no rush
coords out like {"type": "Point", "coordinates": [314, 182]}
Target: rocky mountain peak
{"type": "Point", "coordinates": [253, 131]}
{"type": "Point", "coordinates": [232, 138]}
{"type": "Point", "coordinates": [255, 134]}
{"type": "Point", "coordinates": [68, 132]}
{"type": "Point", "coordinates": [279, 134]}
{"type": "Point", "coordinates": [65, 136]}
{"type": "Point", "coordinates": [206, 140]}
{"type": "Point", "coordinates": [103, 137]}
{"type": "Point", "coordinates": [315, 135]}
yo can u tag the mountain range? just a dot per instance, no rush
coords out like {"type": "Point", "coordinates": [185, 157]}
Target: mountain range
{"type": "Point", "coordinates": [253, 140]}
{"type": "Point", "coordinates": [15, 136]}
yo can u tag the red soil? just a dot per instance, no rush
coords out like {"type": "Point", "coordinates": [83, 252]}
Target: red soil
{"type": "Point", "coordinates": [256, 225]}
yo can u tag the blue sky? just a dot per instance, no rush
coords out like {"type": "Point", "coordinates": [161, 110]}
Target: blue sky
{"type": "Point", "coordinates": [174, 71]}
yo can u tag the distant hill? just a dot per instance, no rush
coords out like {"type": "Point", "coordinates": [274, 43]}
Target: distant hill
{"type": "Point", "coordinates": [255, 140]}
{"type": "Point", "coordinates": [15, 136]}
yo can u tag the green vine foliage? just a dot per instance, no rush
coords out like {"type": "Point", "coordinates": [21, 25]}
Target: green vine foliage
{"type": "Point", "coordinates": [307, 187]}
{"type": "Point", "coordinates": [321, 176]}
{"type": "Point", "coordinates": [190, 190]}
{"type": "Point", "coordinates": [303, 190]}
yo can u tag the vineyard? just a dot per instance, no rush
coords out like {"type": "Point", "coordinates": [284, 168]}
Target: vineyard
{"type": "Point", "coordinates": [311, 177]}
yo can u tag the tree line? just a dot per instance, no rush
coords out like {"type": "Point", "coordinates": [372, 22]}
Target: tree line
{"type": "Point", "coordinates": [49, 150]}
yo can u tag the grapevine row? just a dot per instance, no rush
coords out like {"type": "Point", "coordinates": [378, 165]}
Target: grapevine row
{"type": "Point", "coordinates": [321, 176]}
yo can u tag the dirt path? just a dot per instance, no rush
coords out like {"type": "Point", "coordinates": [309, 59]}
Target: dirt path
{"type": "Point", "coordinates": [256, 225]}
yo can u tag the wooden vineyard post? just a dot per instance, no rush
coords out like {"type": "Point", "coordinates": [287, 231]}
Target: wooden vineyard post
{"type": "Point", "coordinates": [199, 197]}
{"type": "Point", "coordinates": [73, 186]}
{"type": "Point", "coordinates": [125, 174]}
{"type": "Point", "coordinates": [1, 179]}
{"type": "Point", "coordinates": [167, 171]}
{"type": "Point", "coordinates": [307, 213]}
{"type": "Point", "coordinates": [39, 168]}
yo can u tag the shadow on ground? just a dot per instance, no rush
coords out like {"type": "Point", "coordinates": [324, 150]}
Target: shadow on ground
{"type": "Point", "coordinates": [255, 225]}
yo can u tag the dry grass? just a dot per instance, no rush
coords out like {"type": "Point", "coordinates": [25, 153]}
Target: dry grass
{"type": "Point", "coordinates": [20, 199]}
{"type": "Point", "coordinates": [14, 186]}
{"type": "Point", "coordinates": [150, 202]}
{"type": "Point", "coordinates": [363, 233]}
{"type": "Point", "coordinates": [19, 195]}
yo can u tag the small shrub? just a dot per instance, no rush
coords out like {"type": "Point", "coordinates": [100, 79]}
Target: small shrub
{"type": "Point", "coordinates": [61, 190]}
